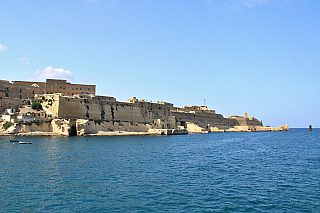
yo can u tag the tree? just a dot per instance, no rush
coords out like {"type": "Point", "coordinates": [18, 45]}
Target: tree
{"type": "Point", "coordinates": [36, 106]}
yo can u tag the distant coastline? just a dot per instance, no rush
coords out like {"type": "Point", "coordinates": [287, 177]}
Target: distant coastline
{"type": "Point", "coordinates": [58, 108]}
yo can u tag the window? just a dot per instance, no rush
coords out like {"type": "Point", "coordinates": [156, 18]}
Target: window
{"type": "Point", "coordinates": [42, 92]}
{"type": "Point", "coordinates": [60, 87]}
{"type": "Point", "coordinates": [71, 93]}
{"type": "Point", "coordinates": [72, 88]}
{"type": "Point", "coordinates": [20, 91]}
{"type": "Point", "coordinates": [42, 87]}
{"type": "Point", "coordinates": [32, 92]}
{"type": "Point", "coordinates": [64, 88]}
{"type": "Point", "coordinates": [84, 88]}
{"type": "Point", "coordinates": [68, 88]}
{"type": "Point", "coordinates": [20, 96]}
{"type": "Point", "coordinates": [51, 87]}
{"type": "Point", "coordinates": [80, 88]}
{"type": "Point", "coordinates": [76, 88]}
{"type": "Point", "coordinates": [47, 87]}
{"type": "Point", "coordinates": [56, 87]}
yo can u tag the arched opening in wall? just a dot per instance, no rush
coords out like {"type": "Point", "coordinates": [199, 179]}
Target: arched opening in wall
{"type": "Point", "coordinates": [73, 127]}
{"type": "Point", "coordinates": [184, 124]}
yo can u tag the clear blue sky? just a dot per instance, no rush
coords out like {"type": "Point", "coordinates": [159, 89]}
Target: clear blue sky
{"type": "Point", "coordinates": [255, 56]}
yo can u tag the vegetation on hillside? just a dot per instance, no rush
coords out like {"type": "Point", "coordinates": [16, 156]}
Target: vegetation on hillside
{"type": "Point", "coordinates": [7, 124]}
{"type": "Point", "coordinates": [36, 104]}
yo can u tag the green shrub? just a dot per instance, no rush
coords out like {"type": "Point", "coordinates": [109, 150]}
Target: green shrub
{"type": "Point", "coordinates": [7, 124]}
{"type": "Point", "coordinates": [36, 106]}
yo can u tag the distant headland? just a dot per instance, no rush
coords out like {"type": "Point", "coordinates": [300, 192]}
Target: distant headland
{"type": "Point", "coordinates": [59, 108]}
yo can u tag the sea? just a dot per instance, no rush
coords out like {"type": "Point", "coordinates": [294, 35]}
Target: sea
{"type": "Point", "coordinates": [215, 172]}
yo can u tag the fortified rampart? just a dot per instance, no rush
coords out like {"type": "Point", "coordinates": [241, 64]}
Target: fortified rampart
{"type": "Point", "coordinates": [205, 119]}
{"type": "Point", "coordinates": [77, 111]}
{"type": "Point", "coordinates": [159, 115]}
{"type": "Point", "coordinates": [201, 116]}
{"type": "Point", "coordinates": [246, 121]}
{"type": "Point", "coordinates": [109, 110]}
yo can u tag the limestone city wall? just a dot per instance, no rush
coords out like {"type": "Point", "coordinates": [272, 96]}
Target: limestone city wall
{"type": "Point", "coordinates": [94, 109]}
{"type": "Point", "coordinates": [203, 118]}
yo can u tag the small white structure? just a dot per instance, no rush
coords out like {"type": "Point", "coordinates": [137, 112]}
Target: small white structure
{"type": "Point", "coordinates": [25, 118]}
{"type": "Point", "coordinates": [9, 111]}
{"type": "Point", "coordinates": [10, 118]}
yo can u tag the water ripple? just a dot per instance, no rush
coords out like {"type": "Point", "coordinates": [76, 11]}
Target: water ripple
{"type": "Point", "coordinates": [231, 172]}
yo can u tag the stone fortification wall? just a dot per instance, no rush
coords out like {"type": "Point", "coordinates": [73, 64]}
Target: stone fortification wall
{"type": "Point", "coordinates": [246, 121]}
{"type": "Point", "coordinates": [205, 119]}
{"type": "Point", "coordinates": [51, 103]}
{"type": "Point", "coordinates": [100, 109]}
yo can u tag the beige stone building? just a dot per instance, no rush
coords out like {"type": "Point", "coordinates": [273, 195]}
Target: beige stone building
{"type": "Point", "coordinates": [13, 90]}
{"type": "Point", "coordinates": [52, 86]}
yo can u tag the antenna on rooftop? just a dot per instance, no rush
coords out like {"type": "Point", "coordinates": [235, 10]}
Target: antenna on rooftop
{"type": "Point", "coordinates": [204, 102]}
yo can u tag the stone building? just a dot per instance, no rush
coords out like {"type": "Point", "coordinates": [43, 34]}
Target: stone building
{"type": "Point", "coordinates": [246, 120]}
{"type": "Point", "coordinates": [52, 86]}
{"type": "Point", "coordinates": [13, 90]}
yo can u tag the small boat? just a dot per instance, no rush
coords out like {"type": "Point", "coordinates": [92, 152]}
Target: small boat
{"type": "Point", "coordinates": [22, 142]}
{"type": "Point", "coordinates": [14, 140]}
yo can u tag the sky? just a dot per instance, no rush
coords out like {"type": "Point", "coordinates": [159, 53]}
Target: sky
{"type": "Point", "coordinates": [235, 56]}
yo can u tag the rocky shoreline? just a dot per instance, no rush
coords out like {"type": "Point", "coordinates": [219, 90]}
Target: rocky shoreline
{"type": "Point", "coordinates": [63, 127]}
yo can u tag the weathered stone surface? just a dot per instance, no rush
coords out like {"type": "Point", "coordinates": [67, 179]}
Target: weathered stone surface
{"type": "Point", "coordinates": [194, 128]}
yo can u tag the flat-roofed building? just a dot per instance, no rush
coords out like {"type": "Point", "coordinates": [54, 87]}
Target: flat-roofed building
{"type": "Point", "coordinates": [13, 90]}
{"type": "Point", "coordinates": [52, 86]}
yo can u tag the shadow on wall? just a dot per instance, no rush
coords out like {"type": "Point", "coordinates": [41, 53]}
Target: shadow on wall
{"type": "Point", "coordinates": [73, 127]}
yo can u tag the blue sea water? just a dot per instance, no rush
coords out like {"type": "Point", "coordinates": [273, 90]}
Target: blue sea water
{"type": "Point", "coordinates": [216, 172]}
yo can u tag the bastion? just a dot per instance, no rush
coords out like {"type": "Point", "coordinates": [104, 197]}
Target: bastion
{"type": "Point", "coordinates": [88, 114]}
